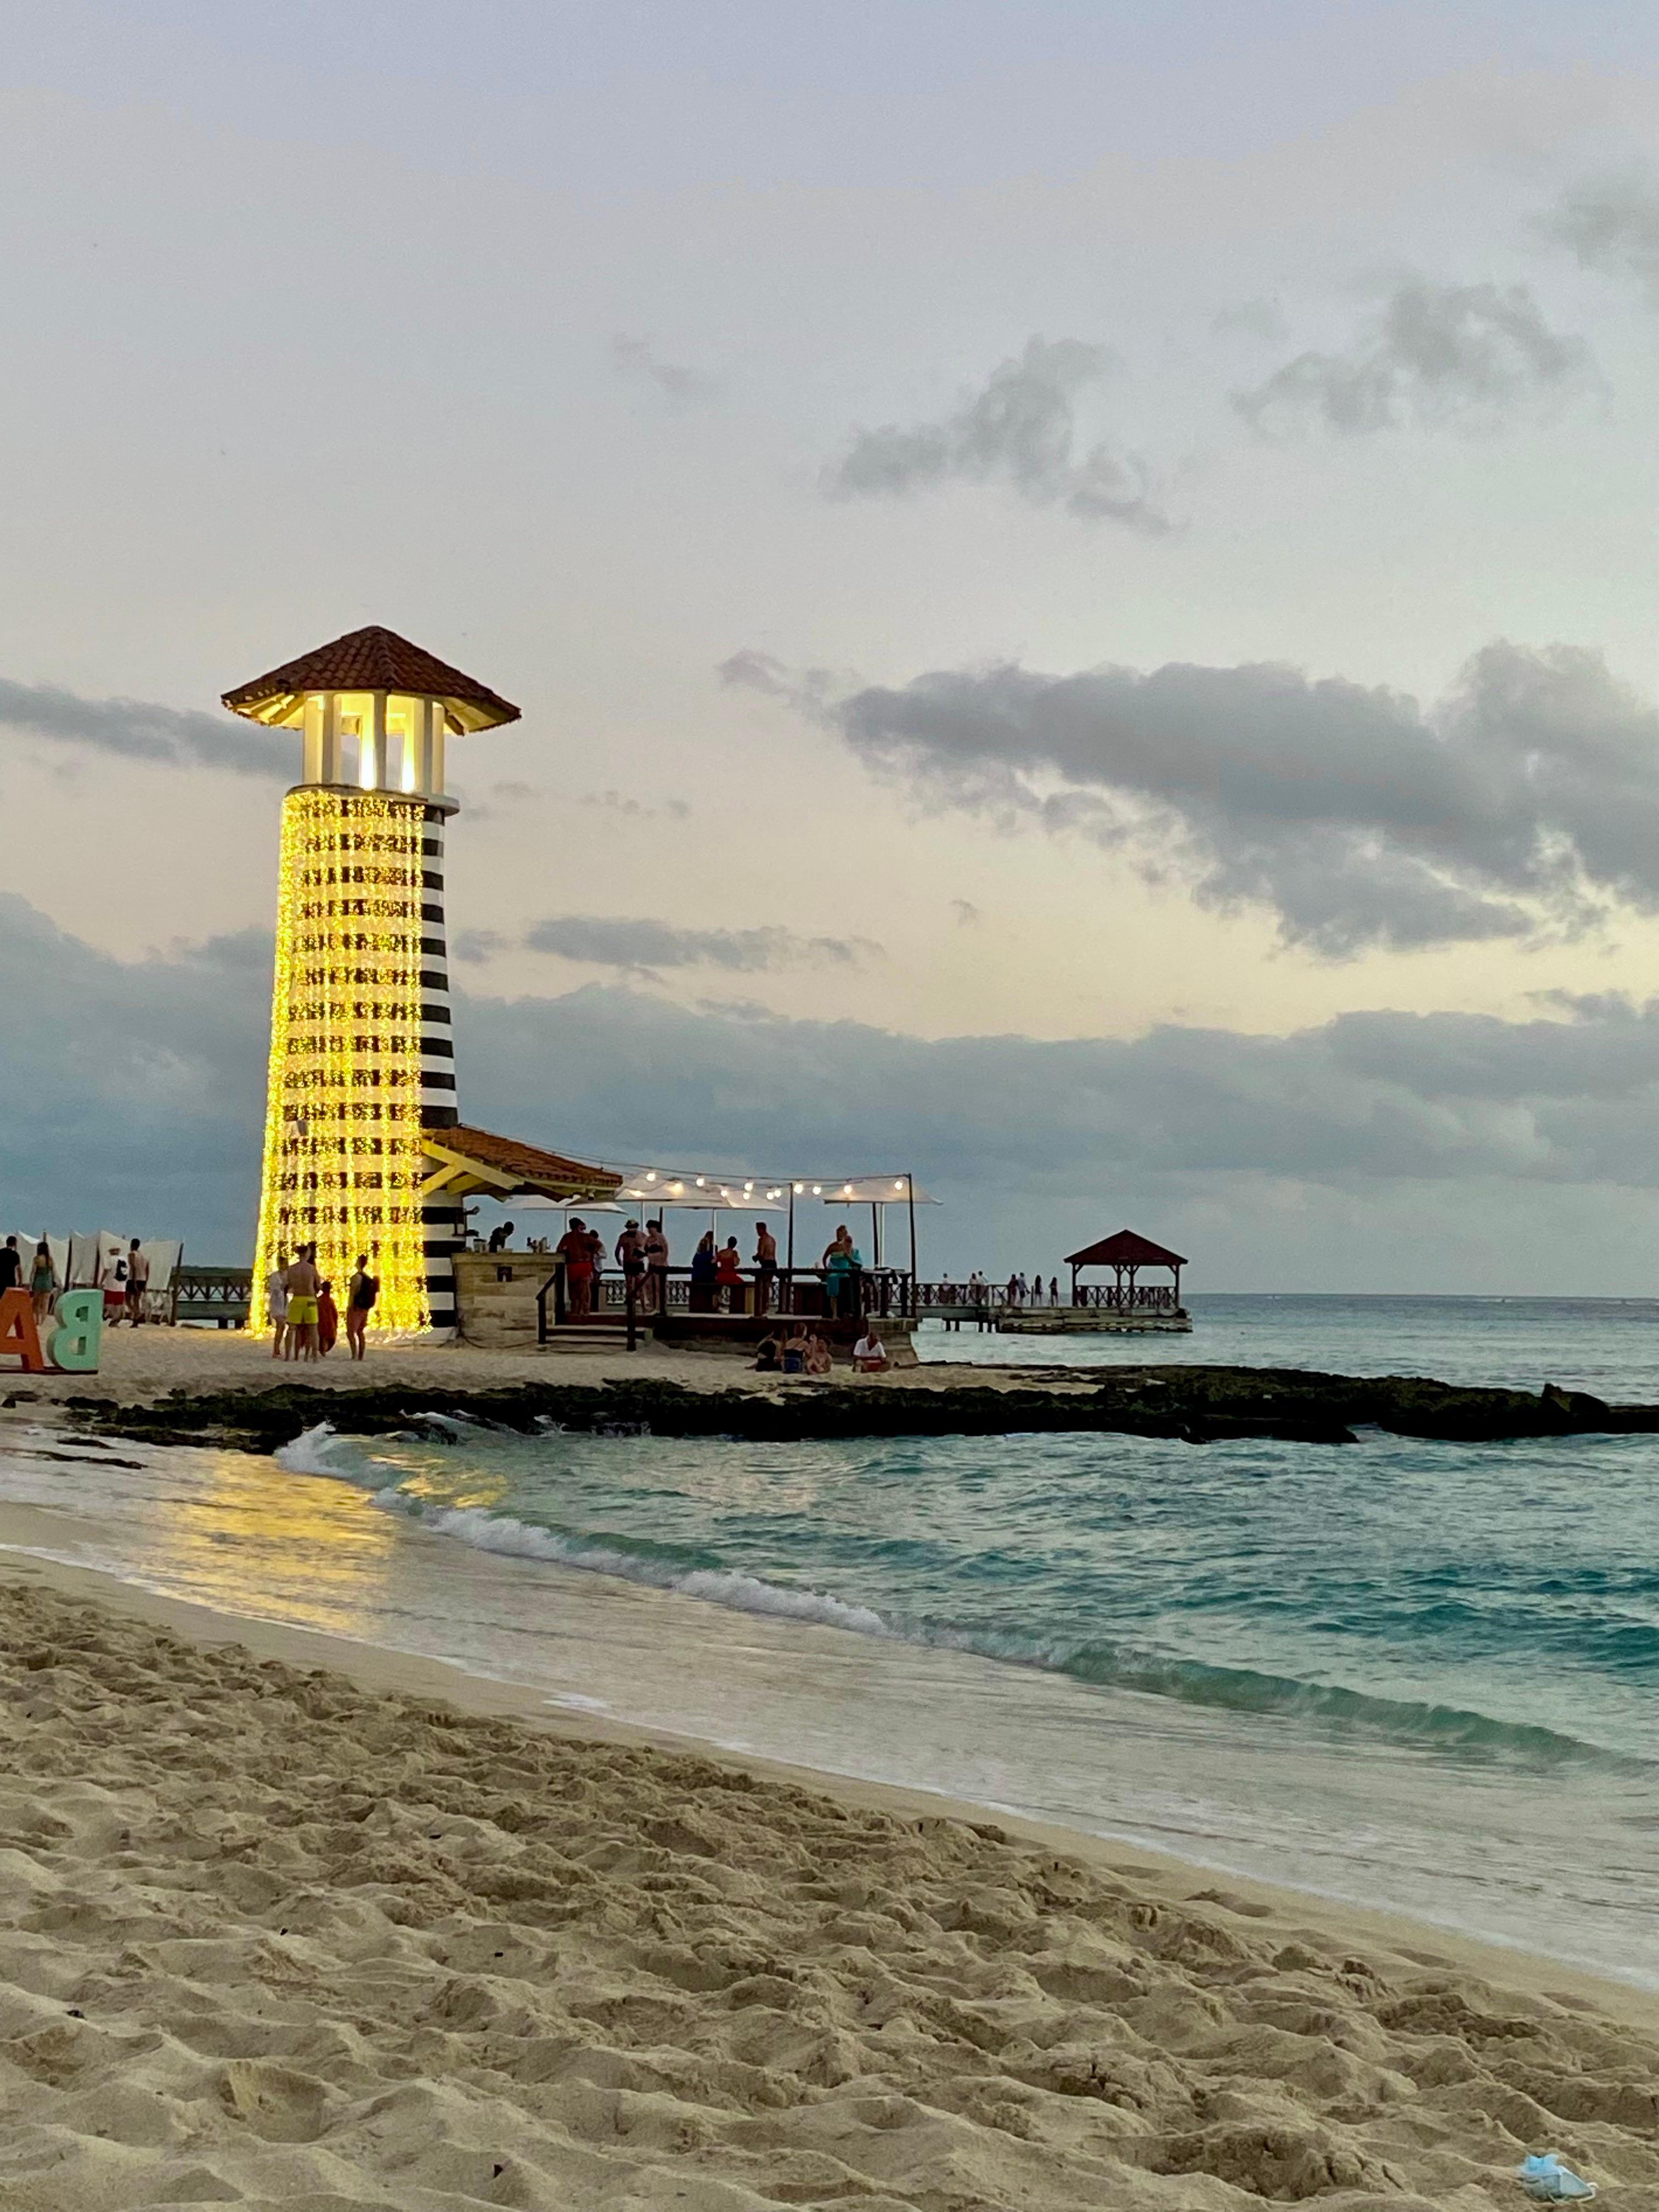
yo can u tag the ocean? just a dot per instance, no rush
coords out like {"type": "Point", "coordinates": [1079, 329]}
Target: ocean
{"type": "Point", "coordinates": [1414, 1675]}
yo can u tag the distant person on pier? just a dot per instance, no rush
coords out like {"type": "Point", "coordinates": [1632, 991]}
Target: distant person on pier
{"type": "Point", "coordinates": [361, 1294]}
{"type": "Point", "coordinates": [499, 1236]}
{"type": "Point", "coordinates": [1013, 1290]}
{"type": "Point", "coordinates": [138, 1280]}
{"type": "Point", "coordinates": [1054, 1290]}
{"type": "Point", "coordinates": [728, 1275]}
{"type": "Point", "coordinates": [43, 1283]}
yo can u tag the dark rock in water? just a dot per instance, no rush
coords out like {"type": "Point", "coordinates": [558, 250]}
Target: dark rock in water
{"type": "Point", "coordinates": [1189, 1404]}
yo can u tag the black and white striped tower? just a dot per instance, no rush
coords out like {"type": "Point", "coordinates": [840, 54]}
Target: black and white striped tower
{"type": "Point", "coordinates": [362, 1047]}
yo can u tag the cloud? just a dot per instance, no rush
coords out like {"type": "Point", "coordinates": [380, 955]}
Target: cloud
{"type": "Point", "coordinates": [137, 730]}
{"type": "Point", "coordinates": [1525, 801]}
{"type": "Point", "coordinates": [1435, 356]}
{"type": "Point", "coordinates": [1380, 1149]}
{"type": "Point", "coordinates": [637, 359]}
{"type": "Point", "coordinates": [1020, 430]}
{"type": "Point", "coordinates": [1612, 225]}
{"type": "Point", "coordinates": [134, 1090]}
{"type": "Point", "coordinates": [616, 802]}
{"type": "Point", "coordinates": [1251, 319]}
{"type": "Point", "coordinates": [642, 947]}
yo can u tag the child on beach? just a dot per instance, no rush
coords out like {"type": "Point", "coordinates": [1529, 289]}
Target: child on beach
{"type": "Point", "coordinates": [328, 1319]}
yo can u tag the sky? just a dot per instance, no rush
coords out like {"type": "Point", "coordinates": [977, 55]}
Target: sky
{"type": "Point", "coordinates": [1081, 580]}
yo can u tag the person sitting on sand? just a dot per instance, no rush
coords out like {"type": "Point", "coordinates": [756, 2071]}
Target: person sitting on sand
{"type": "Point", "coordinates": [796, 1346]}
{"type": "Point", "coordinates": [870, 1353]}
{"type": "Point", "coordinates": [817, 1356]}
{"type": "Point", "coordinates": [768, 1356]}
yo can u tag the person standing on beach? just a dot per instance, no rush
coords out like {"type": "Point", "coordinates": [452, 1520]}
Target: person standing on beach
{"type": "Point", "coordinates": [303, 1312]}
{"type": "Point", "coordinates": [328, 1319]}
{"type": "Point", "coordinates": [138, 1280]}
{"type": "Point", "coordinates": [12, 1266]}
{"type": "Point", "coordinates": [113, 1281]}
{"type": "Point", "coordinates": [276, 1306]}
{"type": "Point", "coordinates": [656, 1261]}
{"type": "Point", "coordinates": [766, 1267]}
{"type": "Point", "coordinates": [43, 1282]}
{"type": "Point", "coordinates": [363, 1290]}
{"type": "Point", "coordinates": [576, 1250]}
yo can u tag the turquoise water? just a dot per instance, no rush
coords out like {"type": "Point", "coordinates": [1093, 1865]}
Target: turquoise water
{"type": "Point", "coordinates": [1413, 1673]}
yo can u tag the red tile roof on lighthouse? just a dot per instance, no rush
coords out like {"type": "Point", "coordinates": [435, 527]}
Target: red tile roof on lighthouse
{"type": "Point", "coordinates": [373, 659]}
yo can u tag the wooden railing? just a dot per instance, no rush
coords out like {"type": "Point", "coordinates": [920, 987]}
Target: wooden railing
{"type": "Point", "coordinates": [886, 1293]}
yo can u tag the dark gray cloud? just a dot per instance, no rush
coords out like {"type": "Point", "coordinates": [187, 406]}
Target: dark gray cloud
{"type": "Point", "coordinates": [1526, 801]}
{"type": "Point", "coordinates": [1611, 224]}
{"type": "Point", "coordinates": [1021, 430]}
{"type": "Point", "coordinates": [1341, 1154]}
{"type": "Point", "coordinates": [1435, 356]}
{"type": "Point", "coordinates": [642, 947]}
{"type": "Point", "coordinates": [134, 1090]}
{"type": "Point", "coordinates": [638, 359]}
{"type": "Point", "coordinates": [138, 730]}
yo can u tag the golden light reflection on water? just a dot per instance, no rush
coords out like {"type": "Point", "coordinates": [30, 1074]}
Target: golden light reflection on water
{"type": "Point", "coordinates": [254, 1539]}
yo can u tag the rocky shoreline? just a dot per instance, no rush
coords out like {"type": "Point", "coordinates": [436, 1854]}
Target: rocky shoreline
{"type": "Point", "coordinates": [1192, 1405]}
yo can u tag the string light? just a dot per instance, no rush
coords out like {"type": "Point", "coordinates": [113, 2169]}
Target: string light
{"type": "Point", "coordinates": [343, 1154]}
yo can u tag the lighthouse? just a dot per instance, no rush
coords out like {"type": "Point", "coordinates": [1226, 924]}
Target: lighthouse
{"type": "Point", "coordinates": [362, 1057]}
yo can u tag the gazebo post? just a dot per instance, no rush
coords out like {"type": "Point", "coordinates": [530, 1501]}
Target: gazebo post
{"type": "Point", "coordinates": [910, 1199]}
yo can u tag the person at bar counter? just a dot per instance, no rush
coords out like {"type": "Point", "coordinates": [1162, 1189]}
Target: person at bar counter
{"type": "Point", "coordinates": [765, 1267]}
{"type": "Point", "coordinates": [501, 1237]}
{"type": "Point", "coordinates": [842, 1264]}
{"type": "Point", "coordinates": [575, 1249]}
{"type": "Point", "coordinates": [728, 1275]}
{"type": "Point", "coordinates": [630, 1258]}
{"type": "Point", "coordinates": [704, 1269]}
{"type": "Point", "coordinates": [656, 1266]}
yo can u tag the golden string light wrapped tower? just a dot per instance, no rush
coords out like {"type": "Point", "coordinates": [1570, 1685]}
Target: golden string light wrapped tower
{"type": "Point", "coordinates": [362, 1062]}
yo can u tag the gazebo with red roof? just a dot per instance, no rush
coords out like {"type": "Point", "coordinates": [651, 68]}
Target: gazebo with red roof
{"type": "Point", "coordinates": [1125, 1254]}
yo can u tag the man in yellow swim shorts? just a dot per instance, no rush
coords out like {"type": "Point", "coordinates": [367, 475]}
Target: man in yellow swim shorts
{"type": "Point", "coordinates": [303, 1311]}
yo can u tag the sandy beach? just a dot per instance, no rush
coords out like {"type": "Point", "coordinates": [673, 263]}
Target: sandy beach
{"type": "Point", "coordinates": [139, 1365]}
{"type": "Point", "coordinates": [294, 1921]}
